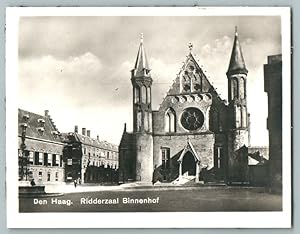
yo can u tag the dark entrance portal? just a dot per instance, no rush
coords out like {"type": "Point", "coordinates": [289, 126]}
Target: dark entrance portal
{"type": "Point", "coordinates": [189, 164]}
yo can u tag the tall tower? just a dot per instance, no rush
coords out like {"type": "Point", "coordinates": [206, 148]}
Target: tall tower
{"type": "Point", "coordinates": [142, 115]}
{"type": "Point", "coordinates": [238, 137]}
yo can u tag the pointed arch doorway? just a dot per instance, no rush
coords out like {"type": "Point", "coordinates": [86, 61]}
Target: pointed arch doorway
{"type": "Point", "coordinates": [188, 164]}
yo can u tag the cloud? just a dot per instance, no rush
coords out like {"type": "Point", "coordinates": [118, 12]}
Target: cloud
{"type": "Point", "coordinates": [79, 67]}
{"type": "Point", "coordinates": [163, 75]}
{"type": "Point", "coordinates": [77, 85]}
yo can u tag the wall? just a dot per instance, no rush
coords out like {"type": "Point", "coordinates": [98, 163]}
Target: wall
{"type": "Point", "coordinates": [203, 144]}
{"type": "Point", "coordinates": [144, 157]}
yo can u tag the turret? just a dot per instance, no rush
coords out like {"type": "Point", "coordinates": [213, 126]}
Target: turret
{"type": "Point", "coordinates": [237, 80]}
{"type": "Point", "coordinates": [238, 135]}
{"type": "Point", "coordinates": [142, 116]}
{"type": "Point", "coordinates": [141, 83]}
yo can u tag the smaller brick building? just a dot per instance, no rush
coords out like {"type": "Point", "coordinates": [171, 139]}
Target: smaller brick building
{"type": "Point", "coordinates": [40, 150]}
{"type": "Point", "coordinates": [89, 160]}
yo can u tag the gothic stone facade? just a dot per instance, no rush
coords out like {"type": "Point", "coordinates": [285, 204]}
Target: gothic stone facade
{"type": "Point", "coordinates": [194, 133]}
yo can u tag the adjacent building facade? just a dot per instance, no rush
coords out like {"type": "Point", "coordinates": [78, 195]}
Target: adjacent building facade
{"type": "Point", "coordinates": [273, 87]}
{"type": "Point", "coordinates": [194, 133]}
{"type": "Point", "coordinates": [40, 149]}
{"type": "Point", "coordinates": [48, 156]}
{"type": "Point", "coordinates": [90, 160]}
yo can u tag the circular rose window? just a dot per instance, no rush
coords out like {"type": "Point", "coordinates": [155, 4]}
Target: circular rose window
{"type": "Point", "coordinates": [192, 119]}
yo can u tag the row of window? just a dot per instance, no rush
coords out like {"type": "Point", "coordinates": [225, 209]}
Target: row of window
{"type": "Point", "coordinates": [142, 94]}
{"type": "Point", "coordinates": [193, 119]}
{"type": "Point", "coordinates": [49, 176]}
{"type": "Point", "coordinates": [95, 163]}
{"type": "Point", "coordinates": [237, 92]}
{"type": "Point", "coordinates": [166, 162]}
{"type": "Point", "coordinates": [45, 159]}
{"type": "Point", "coordinates": [191, 83]}
{"type": "Point", "coordinates": [100, 153]}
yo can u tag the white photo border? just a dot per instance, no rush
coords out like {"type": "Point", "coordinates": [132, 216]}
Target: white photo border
{"type": "Point", "coordinates": [15, 219]}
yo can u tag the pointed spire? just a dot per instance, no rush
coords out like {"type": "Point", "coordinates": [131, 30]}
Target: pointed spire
{"type": "Point", "coordinates": [141, 67]}
{"type": "Point", "coordinates": [237, 64]}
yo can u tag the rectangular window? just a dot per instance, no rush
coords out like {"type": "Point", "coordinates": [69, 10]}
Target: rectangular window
{"type": "Point", "coordinates": [36, 158]}
{"type": "Point", "coordinates": [30, 158]}
{"type": "Point", "coordinates": [69, 162]}
{"type": "Point", "coordinates": [40, 175]}
{"type": "Point", "coordinates": [107, 155]}
{"type": "Point", "coordinates": [53, 160]}
{"type": "Point", "coordinates": [57, 160]}
{"type": "Point", "coordinates": [218, 156]}
{"type": "Point", "coordinates": [48, 176]}
{"type": "Point", "coordinates": [45, 159]}
{"type": "Point", "coordinates": [50, 160]}
{"type": "Point", "coordinates": [165, 156]}
{"type": "Point", "coordinates": [56, 176]}
{"type": "Point", "coordinates": [41, 155]}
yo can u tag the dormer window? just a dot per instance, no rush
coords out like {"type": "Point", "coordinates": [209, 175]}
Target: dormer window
{"type": "Point", "coordinates": [55, 133]}
{"type": "Point", "coordinates": [25, 117]}
{"type": "Point", "coordinates": [41, 122]}
{"type": "Point", "coordinates": [41, 130]}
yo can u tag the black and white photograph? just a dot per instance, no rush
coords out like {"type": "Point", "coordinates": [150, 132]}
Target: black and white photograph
{"type": "Point", "coordinates": [148, 117]}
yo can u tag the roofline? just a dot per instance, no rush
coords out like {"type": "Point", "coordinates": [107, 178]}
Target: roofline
{"type": "Point", "coordinates": [43, 140]}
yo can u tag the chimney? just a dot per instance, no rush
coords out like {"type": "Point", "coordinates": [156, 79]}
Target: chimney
{"type": "Point", "coordinates": [97, 137]}
{"type": "Point", "coordinates": [76, 129]}
{"type": "Point", "coordinates": [83, 131]}
{"type": "Point", "coordinates": [46, 113]}
{"type": "Point", "coordinates": [88, 133]}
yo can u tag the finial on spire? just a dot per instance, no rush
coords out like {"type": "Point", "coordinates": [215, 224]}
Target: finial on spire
{"type": "Point", "coordinates": [236, 30]}
{"type": "Point", "coordinates": [190, 46]}
{"type": "Point", "coordinates": [142, 37]}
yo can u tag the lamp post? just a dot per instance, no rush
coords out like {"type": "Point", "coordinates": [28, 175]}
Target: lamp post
{"type": "Point", "coordinates": [24, 159]}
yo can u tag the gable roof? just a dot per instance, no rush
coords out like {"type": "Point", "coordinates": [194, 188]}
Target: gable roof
{"type": "Point", "coordinates": [189, 148]}
{"type": "Point", "coordinates": [38, 126]}
{"type": "Point", "coordinates": [207, 87]}
{"type": "Point", "coordinates": [86, 140]}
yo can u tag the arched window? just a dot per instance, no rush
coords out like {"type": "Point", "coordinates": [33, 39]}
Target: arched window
{"type": "Point", "coordinates": [137, 94]}
{"type": "Point", "coordinates": [148, 95]}
{"type": "Point", "coordinates": [144, 94]}
{"type": "Point", "coordinates": [170, 121]}
{"type": "Point", "coordinates": [242, 89]}
{"type": "Point", "coordinates": [234, 88]}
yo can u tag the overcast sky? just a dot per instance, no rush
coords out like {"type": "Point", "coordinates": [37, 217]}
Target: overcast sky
{"type": "Point", "coordinates": [79, 67]}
